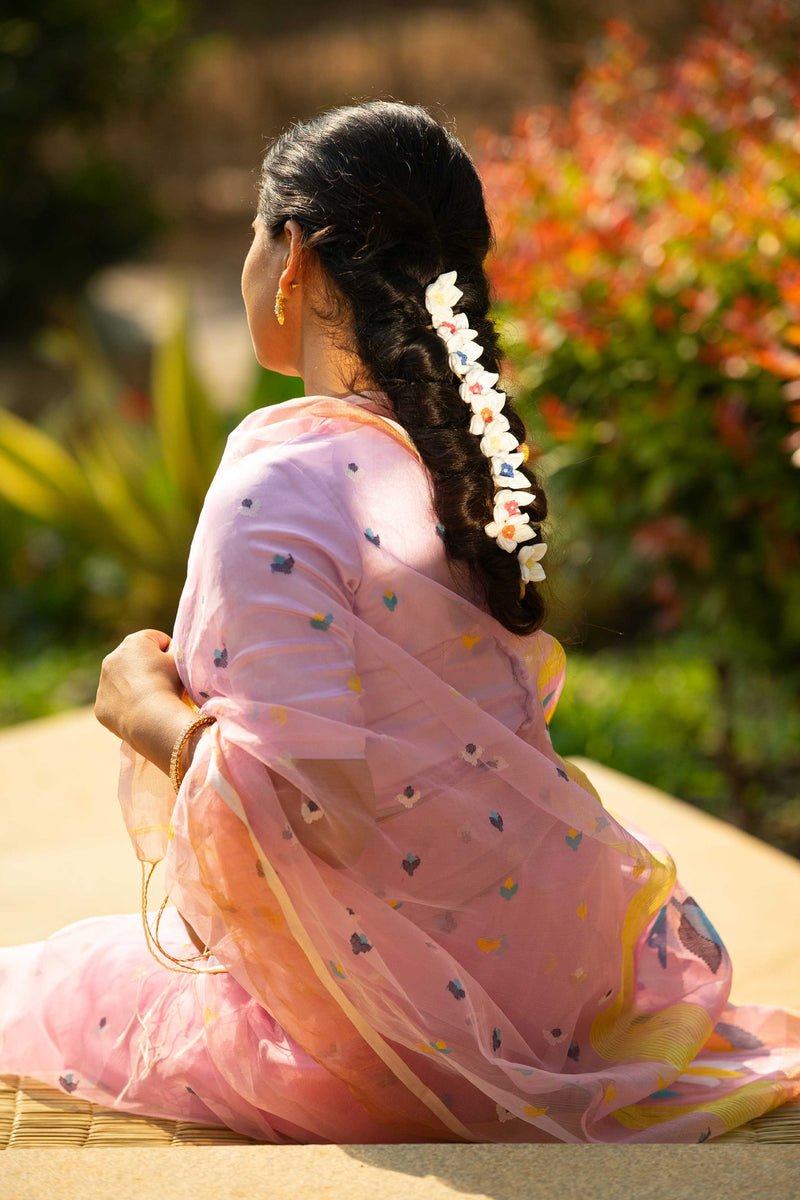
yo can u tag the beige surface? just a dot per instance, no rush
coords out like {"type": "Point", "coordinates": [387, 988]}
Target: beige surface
{"type": "Point", "coordinates": [64, 853]}
{"type": "Point", "coordinates": [406, 1173]}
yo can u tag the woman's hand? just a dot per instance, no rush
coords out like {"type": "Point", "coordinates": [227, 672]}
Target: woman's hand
{"type": "Point", "coordinates": [138, 680]}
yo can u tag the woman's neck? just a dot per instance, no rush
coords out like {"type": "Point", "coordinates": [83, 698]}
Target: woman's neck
{"type": "Point", "coordinates": [327, 368]}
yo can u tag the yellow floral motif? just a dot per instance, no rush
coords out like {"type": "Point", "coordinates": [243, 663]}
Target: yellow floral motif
{"type": "Point", "coordinates": [469, 640]}
{"type": "Point", "coordinates": [278, 714]}
{"type": "Point", "coordinates": [609, 1093]}
{"type": "Point", "coordinates": [355, 684]}
{"type": "Point", "coordinates": [581, 910]}
{"type": "Point", "coordinates": [552, 963]}
{"type": "Point", "coordinates": [530, 1111]}
{"type": "Point", "coordinates": [209, 1015]}
{"type": "Point", "coordinates": [433, 1047]}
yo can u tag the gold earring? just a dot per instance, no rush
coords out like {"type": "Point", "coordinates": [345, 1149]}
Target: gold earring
{"type": "Point", "coordinates": [280, 304]}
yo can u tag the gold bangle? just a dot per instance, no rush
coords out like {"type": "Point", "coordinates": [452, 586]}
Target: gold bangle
{"type": "Point", "coordinates": [175, 773]}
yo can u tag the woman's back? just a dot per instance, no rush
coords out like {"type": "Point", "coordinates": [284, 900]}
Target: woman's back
{"type": "Point", "coordinates": [480, 910]}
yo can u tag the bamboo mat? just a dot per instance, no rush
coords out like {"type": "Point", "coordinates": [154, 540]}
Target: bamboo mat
{"type": "Point", "coordinates": [35, 1115]}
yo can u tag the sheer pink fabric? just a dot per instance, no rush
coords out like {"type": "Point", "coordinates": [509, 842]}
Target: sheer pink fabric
{"type": "Point", "coordinates": [431, 928]}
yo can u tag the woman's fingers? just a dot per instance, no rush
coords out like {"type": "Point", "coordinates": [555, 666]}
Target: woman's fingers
{"type": "Point", "coordinates": [161, 639]}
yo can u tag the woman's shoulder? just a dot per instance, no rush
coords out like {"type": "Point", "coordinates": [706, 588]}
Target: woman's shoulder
{"type": "Point", "coordinates": [333, 440]}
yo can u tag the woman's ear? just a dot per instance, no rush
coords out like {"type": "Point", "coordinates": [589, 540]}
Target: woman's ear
{"type": "Point", "coordinates": [294, 254]}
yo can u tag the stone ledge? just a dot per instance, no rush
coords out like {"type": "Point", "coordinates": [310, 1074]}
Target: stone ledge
{"type": "Point", "coordinates": [418, 1172]}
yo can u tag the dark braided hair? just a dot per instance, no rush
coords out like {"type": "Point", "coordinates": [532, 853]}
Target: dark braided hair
{"type": "Point", "coordinates": [389, 199]}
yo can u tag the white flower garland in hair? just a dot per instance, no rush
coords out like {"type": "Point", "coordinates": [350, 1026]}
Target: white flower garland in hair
{"type": "Point", "coordinates": [510, 525]}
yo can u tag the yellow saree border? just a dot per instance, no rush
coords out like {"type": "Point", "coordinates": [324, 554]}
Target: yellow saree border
{"type": "Point", "coordinates": [331, 407]}
{"type": "Point", "coordinates": [735, 1109]}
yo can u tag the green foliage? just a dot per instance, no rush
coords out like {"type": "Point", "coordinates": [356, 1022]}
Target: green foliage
{"type": "Point", "coordinates": [57, 678]}
{"type": "Point", "coordinates": [655, 713]}
{"type": "Point", "coordinates": [66, 207]}
{"type": "Point", "coordinates": [120, 478]}
{"type": "Point", "coordinates": [649, 269]}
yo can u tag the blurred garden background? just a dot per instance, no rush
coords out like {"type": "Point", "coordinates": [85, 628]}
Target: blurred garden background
{"type": "Point", "coordinates": [642, 169]}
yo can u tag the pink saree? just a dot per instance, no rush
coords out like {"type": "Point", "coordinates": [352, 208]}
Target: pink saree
{"type": "Point", "coordinates": [424, 924]}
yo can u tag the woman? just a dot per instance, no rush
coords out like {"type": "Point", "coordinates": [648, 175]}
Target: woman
{"type": "Point", "coordinates": [413, 921]}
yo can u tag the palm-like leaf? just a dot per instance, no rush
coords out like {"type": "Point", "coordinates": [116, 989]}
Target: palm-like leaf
{"type": "Point", "coordinates": [132, 490]}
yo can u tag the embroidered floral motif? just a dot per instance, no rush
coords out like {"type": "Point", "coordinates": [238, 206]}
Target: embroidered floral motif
{"type": "Point", "coordinates": [221, 657]}
{"type": "Point", "coordinates": [372, 537]}
{"type": "Point", "coordinates": [573, 839]}
{"type": "Point", "coordinates": [499, 944]}
{"type": "Point", "coordinates": [410, 863]}
{"type": "Point", "coordinates": [359, 943]}
{"type": "Point", "coordinates": [249, 508]}
{"type": "Point", "coordinates": [282, 564]}
{"type": "Point", "coordinates": [408, 797]}
{"type": "Point", "coordinates": [509, 888]}
{"type": "Point", "coordinates": [472, 753]}
{"type": "Point", "coordinates": [456, 988]}
{"type": "Point", "coordinates": [390, 599]}
{"type": "Point", "coordinates": [434, 1047]}
{"type": "Point", "coordinates": [311, 811]}
{"type": "Point", "coordinates": [697, 933]}
{"type": "Point", "coordinates": [495, 819]}
{"type": "Point", "coordinates": [657, 937]}
{"type": "Point", "coordinates": [321, 620]}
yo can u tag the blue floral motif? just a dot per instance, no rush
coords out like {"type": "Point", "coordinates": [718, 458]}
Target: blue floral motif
{"type": "Point", "coordinates": [282, 564]}
{"type": "Point", "coordinates": [410, 863]}
{"type": "Point", "coordinates": [360, 944]}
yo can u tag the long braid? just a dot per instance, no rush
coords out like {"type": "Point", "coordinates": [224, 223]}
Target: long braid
{"type": "Point", "coordinates": [401, 203]}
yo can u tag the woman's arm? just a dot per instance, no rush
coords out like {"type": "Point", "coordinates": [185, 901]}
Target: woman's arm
{"type": "Point", "coordinates": [139, 700]}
